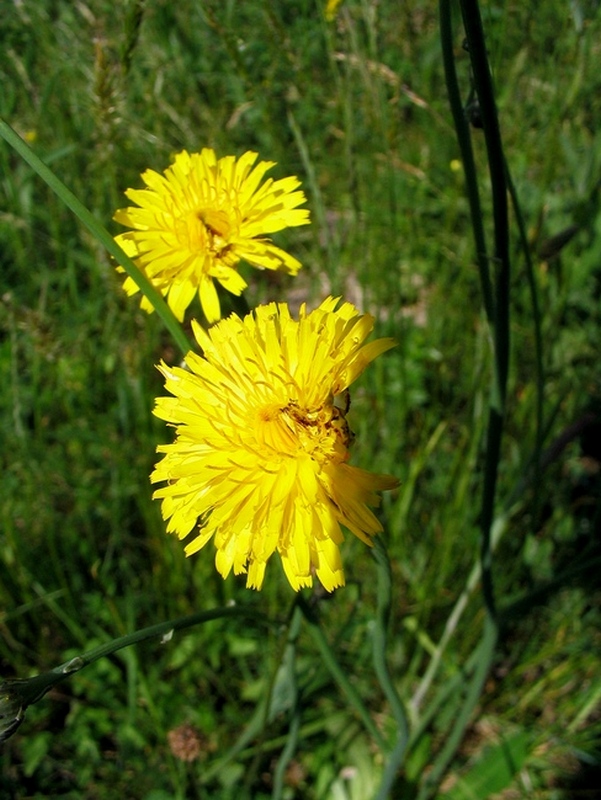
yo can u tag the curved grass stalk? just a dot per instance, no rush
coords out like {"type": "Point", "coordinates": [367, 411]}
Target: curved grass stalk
{"type": "Point", "coordinates": [511, 506]}
{"type": "Point", "coordinates": [498, 529]}
{"type": "Point", "coordinates": [397, 754]}
{"type": "Point", "coordinates": [99, 232]}
{"type": "Point", "coordinates": [496, 162]}
{"type": "Point", "coordinates": [484, 657]}
{"type": "Point", "coordinates": [338, 673]}
{"type": "Point", "coordinates": [462, 132]}
{"type": "Point", "coordinates": [538, 341]}
{"type": "Point", "coordinates": [17, 695]}
{"type": "Point", "coordinates": [289, 665]}
{"type": "Point", "coordinates": [267, 706]}
{"type": "Point", "coordinates": [500, 303]}
{"type": "Point", "coordinates": [450, 692]}
{"type": "Point", "coordinates": [292, 740]}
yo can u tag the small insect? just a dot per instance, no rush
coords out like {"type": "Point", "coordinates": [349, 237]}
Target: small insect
{"type": "Point", "coordinates": [345, 396]}
{"type": "Point", "coordinates": [339, 420]}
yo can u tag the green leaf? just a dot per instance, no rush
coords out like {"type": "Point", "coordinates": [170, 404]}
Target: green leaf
{"type": "Point", "coordinates": [35, 752]}
{"type": "Point", "coordinates": [494, 770]}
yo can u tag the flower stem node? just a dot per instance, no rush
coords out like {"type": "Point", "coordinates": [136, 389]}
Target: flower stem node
{"type": "Point", "coordinates": [260, 458]}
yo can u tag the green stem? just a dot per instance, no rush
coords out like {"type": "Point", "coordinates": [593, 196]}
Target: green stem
{"type": "Point", "coordinates": [289, 663]}
{"type": "Point", "coordinates": [265, 708]}
{"type": "Point", "coordinates": [452, 623]}
{"type": "Point", "coordinates": [318, 201]}
{"type": "Point", "coordinates": [288, 752]}
{"type": "Point", "coordinates": [444, 758]}
{"type": "Point", "coordinates": [496, 165]}
{"type": "Point", "coordinates": [538, 345]}
{"type": "Point", "coordinates": [474, 32]}
{"type": "Point", "coordinates": [17, 695]}
{"type": "Point", "coordinates": [253, 728]}
{"type": "Point", "coordinates": [491, 468]}
{"type": "Point", "coordinates": [338, 673]}
{"type": "Point", "coordinates": [99, 232]}
{"type": "Point", "coordinates": [467, 155]}
{"type": "Point", "coordinates": [512, 505]}
{"type": "Point", "coordinates": [395, 757]}
{"type": "Point", "coordinates": [447, 698]}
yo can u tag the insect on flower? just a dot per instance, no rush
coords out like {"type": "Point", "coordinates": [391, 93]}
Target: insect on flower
{"type": "Point", "coordinates": [260, 462]}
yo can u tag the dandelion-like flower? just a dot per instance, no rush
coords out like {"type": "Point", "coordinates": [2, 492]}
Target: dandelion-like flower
{"type": "Point", "coordinates": [194, 223]}
{"type": "Point", "coordinates": [260, 459]}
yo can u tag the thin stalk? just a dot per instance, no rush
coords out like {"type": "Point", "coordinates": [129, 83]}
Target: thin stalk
{"type": "Point", "coordinates": [496, 164]}
{"type": "Point", "coordinates": [491, 468]}
{"type": "Point", "coordinates": [99, 232]}
{"type": "Point", "coordinates": [511, 506]}
{"type": "Point", "coordinates": [452, 623]}
{"type": "Point", "coordinates": [338, 673]}
{"type": "Point", "coordinates": [380, 636]}
{"type": "Point", "coordinates": [253, 728]}
{"type": "Point", "coordinates": [538, 343]}
{"type": "Point", "coordinates": [462, 132]}
{"type": "Point", "coordinates": [474, 32]}
{"type": "Point", "coordinates": [288, 752]}
{"type": "Point", "coordinates": [16, 696]}
{"type": "Point", "coordinates": [444, 758]}
{"type": "Point", "coordinates": [447, 697]}
{"type": "Point", "coordinates": [289, 663]}
{"type": "Point", "coordinates": [265, 710]}
{"type": "Point", "coordinates": [319, 204]}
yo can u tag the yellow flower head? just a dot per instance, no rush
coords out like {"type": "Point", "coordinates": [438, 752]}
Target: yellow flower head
{"type": "Point", "coordinates": [260, 458]}
{"type": "Point", "coordinates": [194, 223]}
{"type": "Point", "coordinates": [332, 9]}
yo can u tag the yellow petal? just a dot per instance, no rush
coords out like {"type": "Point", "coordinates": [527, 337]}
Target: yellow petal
{"type": "Point", "coordinates": [260, 457]}
{"type": "Point", "coordinates": [195, 222]}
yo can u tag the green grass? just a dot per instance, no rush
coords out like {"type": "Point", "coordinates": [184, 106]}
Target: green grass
{"type": "Point", "coordinates": [358, 110]}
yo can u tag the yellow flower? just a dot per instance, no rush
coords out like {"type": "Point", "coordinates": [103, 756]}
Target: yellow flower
{"type": "Point", "coordinates": [260, 458]}
{"type": "Point", "coordinates": [195, 223]}
{"type": "Point", "coordinates": [332, 9]}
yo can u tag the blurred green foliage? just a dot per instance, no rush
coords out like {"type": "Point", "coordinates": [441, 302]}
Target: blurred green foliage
{"type": "Point", "coordinates": [358, 110]}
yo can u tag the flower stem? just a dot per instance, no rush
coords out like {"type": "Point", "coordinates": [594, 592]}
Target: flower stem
{"type": "Point", "coordinates": [397, 754]}
{"type": "Point", "coordinates": [17, 695]}
{"type": "Point", "coordinates": [538, 345]}
{"type": "Point", "coordinates": [292, 740]}
{"type": "Point", "coordinates": [467, 155]}
{"type": "Point", "coordinates": [496, 304]}
{"type": "Point", "coordinates": [496, 164]}
{"type": "Point", "coordinates": [484, 659]}
{"type": "Point", "coordinates": [497, 309]}
{"type": "Point", "coordinates": [338, 673]}
{"type": "Point", "coordinates": [99, 232]}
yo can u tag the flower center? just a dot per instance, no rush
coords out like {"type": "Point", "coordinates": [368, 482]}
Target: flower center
{"type": "Point", "coordinates": [323, 434]}
{"type": "Point", "coordinates": [207, 231]}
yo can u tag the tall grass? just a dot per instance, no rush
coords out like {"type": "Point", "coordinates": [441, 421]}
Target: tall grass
{"type": "Point", "coordinates": [358, 109]}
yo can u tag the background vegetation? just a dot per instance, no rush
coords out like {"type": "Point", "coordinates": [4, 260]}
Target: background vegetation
{"type": "Point", "coordinates": [357, 108]}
